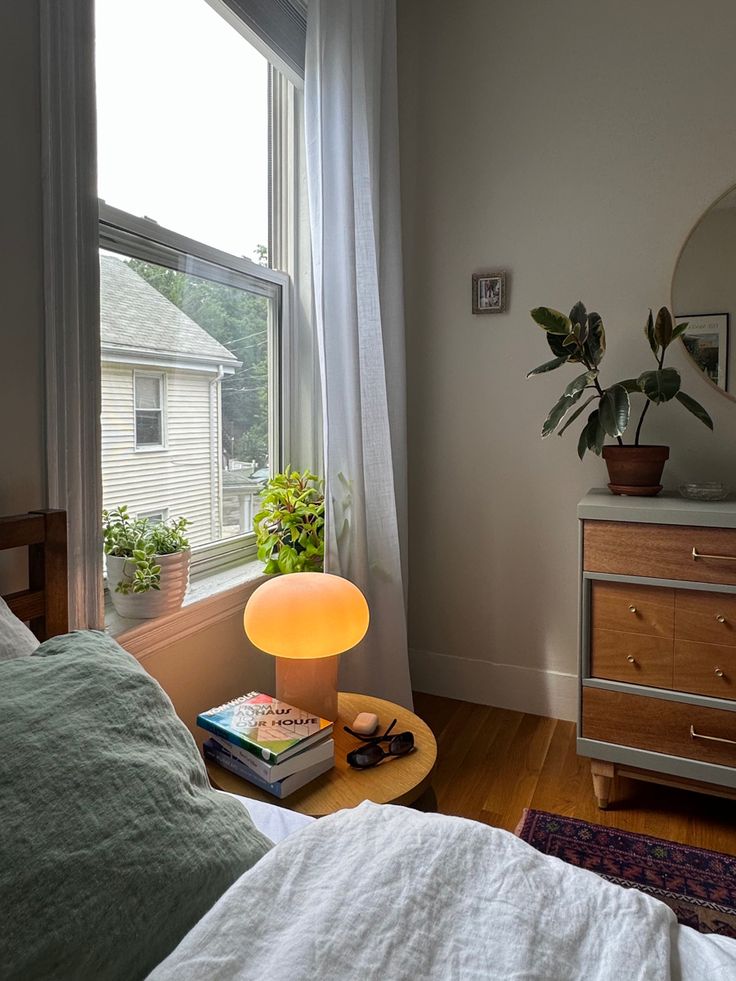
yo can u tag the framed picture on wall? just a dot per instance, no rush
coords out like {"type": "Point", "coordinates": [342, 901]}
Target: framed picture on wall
{"type": "Point", "coordinates": [489, 292]}
{"type": "Point", "coordinates": [706, 340]}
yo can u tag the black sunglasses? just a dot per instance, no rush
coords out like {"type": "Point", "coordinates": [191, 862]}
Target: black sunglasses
{"type": "Point", "coordinates": [372, 753]}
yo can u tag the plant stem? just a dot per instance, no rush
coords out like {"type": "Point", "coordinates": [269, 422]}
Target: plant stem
{"type": "Point", "coordinates": [660, 362]}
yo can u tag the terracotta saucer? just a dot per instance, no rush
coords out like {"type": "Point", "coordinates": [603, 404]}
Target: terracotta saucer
{"type": "Point", "coordinates": [631, 491]}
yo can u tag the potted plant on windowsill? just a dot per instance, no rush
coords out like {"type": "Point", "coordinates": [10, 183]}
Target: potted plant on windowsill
{"type": "Point", "coordinates": [147, 564]}
{"type": "Point", "coordinates": [290, 526]}
{"type": "Point", "coordinates": [580, 339]}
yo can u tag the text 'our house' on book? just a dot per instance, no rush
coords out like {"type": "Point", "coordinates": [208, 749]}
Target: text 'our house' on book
{"type": "Point", "coordinates": [275, 746]}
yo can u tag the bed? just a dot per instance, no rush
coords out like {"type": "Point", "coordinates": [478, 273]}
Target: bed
{"type": "Point", "coordinates": [379, 892]}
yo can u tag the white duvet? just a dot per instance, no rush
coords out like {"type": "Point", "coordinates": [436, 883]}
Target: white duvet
{"type": "Point", "coordinates": [391, 894]}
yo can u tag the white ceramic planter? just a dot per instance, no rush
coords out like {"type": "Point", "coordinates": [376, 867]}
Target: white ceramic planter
{"type": "Point", "coordinates": [154, 602]}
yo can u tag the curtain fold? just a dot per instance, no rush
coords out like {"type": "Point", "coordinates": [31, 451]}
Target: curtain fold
{"type": "Point", "coordinates": [351, 126]}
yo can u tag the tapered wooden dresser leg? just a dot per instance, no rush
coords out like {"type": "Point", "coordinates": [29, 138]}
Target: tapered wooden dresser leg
{"type": "Point", "coordinates": [602, 774]}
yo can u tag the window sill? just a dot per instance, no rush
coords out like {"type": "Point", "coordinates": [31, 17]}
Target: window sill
{"type": "Point", "coordinates": [208, 600]}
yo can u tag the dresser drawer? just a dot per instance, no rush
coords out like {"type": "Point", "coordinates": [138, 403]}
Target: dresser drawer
{"type": "Point", "coordinates": [708, 618]}
{"type": "Point", "coordinates": [706, 669]}
{"type": "Point", "coordinates": [634, 658]}
{"type": "Point", "coordinates": [636, 609]}
{"type": "Point", "coordinates": [660, 551]}
{"type": "Point", "coordinates": [660, 725]}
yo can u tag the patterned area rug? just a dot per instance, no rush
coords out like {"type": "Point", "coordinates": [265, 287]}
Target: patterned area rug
{"type": "Point", "coordinates": [698, 885]}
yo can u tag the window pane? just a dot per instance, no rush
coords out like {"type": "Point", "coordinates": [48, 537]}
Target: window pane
{"type": "Point", "coordinates": [182, 121]}
{"type": "Point", "coordinates": [147, 392]}
{"type": "Point", "coordinates": [148, 429]}
{"type": "Point", "coordinates": [211, 342]}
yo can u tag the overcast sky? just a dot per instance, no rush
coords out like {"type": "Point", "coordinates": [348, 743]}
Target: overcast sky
{"type": "Point", "coordinates": [182, 121]}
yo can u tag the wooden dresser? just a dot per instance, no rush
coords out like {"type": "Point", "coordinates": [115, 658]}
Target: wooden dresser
{"type": "Point", "coordinates": [658, 641]}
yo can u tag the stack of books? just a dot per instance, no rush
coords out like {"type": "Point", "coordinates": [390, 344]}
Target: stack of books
{"type": "Point", "coordinates": [275, 746]}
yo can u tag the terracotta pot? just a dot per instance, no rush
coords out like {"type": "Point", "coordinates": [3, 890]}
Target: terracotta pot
{"type": "Point", "coordinates": [635, 470]}
{"type": "Point", "coordinates": [154, 602]}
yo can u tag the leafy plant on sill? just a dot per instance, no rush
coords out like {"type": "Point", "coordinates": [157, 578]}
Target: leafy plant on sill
{"type": "Point", "coordinates": [581, 339]}
{"type": "Point", "coordinates": [141, 541]}
{"type": "Point", "coordinates": [290, 525]}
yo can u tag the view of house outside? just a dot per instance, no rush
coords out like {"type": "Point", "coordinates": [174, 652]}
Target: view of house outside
{"type": "Point", "coordinates": [183, 140]}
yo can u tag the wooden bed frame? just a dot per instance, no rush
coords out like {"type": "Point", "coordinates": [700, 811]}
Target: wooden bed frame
{"type": "Point", "coordinates": [44, 605]}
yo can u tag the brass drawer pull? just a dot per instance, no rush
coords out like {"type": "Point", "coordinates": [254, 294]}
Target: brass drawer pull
{"type": "Point", "coordinates": [711, 739]}
{"type": "Point", "coordinates": [724, 558]}
{"type": "Point", "coordinates": [631, 659]}
{"type": "Point", "coordinates": [719, 673]}
{"type": "Point", "coordinates": [720, 618]}
{"type": "Point", "coordinates": [633, 609]}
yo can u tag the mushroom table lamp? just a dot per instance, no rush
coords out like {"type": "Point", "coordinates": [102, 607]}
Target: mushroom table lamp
{"type": "Point", "coordinates": [305, 619]}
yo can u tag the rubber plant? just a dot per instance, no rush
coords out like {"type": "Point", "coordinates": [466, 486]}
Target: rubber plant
{"type": "Point", "coordinates": [290, 524]}
{"type": "Point", "coordinates": [580, 339]}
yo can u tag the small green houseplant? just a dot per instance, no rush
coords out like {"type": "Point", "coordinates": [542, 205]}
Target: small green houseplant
{"type": "Point", "coordinates": [580, 339]}
{"type": "Point", "coordinates": [147, 563]}
{"type": "Point", "coordinates": [290, 526]}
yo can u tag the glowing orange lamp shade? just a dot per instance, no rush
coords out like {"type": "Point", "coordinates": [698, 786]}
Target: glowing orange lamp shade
{"type": "Point", "coordinates": [304, 619]}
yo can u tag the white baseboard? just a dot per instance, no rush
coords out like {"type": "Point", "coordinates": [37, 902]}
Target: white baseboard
{"type": "Point", "coordinates": [509, 686]}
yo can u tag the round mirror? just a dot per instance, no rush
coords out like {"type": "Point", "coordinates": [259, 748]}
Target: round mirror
{"type": "Point", "coordinates": [704, 293]}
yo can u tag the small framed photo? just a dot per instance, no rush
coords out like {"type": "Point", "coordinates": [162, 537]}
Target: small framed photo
{"type": "Point", "coordinates": [489, 292]}
{"type": "Point", "coordinates": [706, 340]}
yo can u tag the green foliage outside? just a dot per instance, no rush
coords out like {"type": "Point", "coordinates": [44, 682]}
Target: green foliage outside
{"type": "Point", "coordinates": [290, 526]}
{"type": "Point", "coordinates": [581, 339]}
{"type": "Point", "coordinates": [141, 541]}
{"type": "Point", "coordinates": [239, 321]}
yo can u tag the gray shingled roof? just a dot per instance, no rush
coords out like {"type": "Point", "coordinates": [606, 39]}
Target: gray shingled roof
{"type": "Point", "coordinates": [135, 316]}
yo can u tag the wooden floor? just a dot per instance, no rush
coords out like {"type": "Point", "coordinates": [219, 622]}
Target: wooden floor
{"type": "Point", "coordinates": [492, 763]}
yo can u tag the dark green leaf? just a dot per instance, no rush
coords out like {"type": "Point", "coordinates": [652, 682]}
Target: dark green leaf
{"type": "Point", "coordinates": [614, 410]}
{"type": "Point", "coordinates": [595, 433]}
{"type": "Point", "coordinates": [660, 385]}
{"type": "Point", "coordinates": [696, 408]}
{"type": "Point", "coordinates": [630, 384]}
{"type": "Point", "coordinates": [596, 341]}
{"type": "Point", "coordinates": [579, 383]}
{"type": "Point", "coordinates": [551, 320]}
{"type": "Point", "coordinates": [571, 418]}
{"type": "Point", "coordinates": [558, 348]}
{"type": "Point", "coordinates": [583, 440]}
{"type": "Point", "coordinates": [663, 327]}
{"type": "Point", "coordinates": [649, 331]}
{"type": "Point", "coordinates": [570, 341]}
{"type": "Point", "coordinates": [557, 412]}
{"type": "Point", "coordinates": [578, 314]}
{"type": "Point", "coordinates": [679, 330]}
{"type": "Point", "coordinates": [547, 366]}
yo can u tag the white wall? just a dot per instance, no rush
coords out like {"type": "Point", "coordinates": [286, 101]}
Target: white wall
{"type": "Point", "coordinates": [574, 144]}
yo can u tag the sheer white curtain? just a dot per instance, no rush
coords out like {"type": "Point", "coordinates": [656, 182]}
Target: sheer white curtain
{"type": "Point", "coordinates": [353, 178]}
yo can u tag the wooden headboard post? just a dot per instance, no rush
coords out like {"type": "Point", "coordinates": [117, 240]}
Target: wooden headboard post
{"type": "Point", "coordinates": [45, 604]}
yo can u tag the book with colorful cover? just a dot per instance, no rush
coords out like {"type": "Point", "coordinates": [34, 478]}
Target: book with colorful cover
{"type": "Point", "coordinates": [261, 724]}
{"type": "Point", "coordinates": [219, 754]}
{"type": "Point", "coordinates": [273, 772]}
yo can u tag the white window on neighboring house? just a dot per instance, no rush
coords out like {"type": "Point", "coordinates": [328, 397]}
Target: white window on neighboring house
{"type": "Point", "coordinates": [155, 516]}
{"type": "Point", "coordinates": [150, 410]}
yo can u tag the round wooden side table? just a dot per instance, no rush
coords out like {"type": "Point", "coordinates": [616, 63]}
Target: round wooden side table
{"type": "Point", "coordinates": [400, 780]}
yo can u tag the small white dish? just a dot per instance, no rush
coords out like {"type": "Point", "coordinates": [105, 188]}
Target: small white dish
{"type": "Point", "coordinates": [708, 491]}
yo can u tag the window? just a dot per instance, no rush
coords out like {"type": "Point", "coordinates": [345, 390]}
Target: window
{"type": "Point", "coordinates": [192, 314]}
{"type": "Point", "coordinates": [149, 410]}
{"type": "Point", "coordinates": [155, 516]}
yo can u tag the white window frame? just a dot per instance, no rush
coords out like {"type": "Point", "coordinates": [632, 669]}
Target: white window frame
{"type": "Point", "coordinates": [141, 238]}
{"type": "Point", "coordinates": [160, 377]}
{"type": "Point", "coordinates": [71, 287]}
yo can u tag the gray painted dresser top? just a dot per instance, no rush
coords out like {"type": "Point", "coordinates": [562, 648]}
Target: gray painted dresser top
{"type": "Point", "coordinates": [668, 508]}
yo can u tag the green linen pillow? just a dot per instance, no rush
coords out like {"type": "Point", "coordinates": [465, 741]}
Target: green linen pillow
{"type": "Point", "coordinates": [112, 844]}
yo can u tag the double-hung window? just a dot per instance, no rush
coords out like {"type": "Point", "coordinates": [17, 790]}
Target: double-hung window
{"type": "Point", "coordinates": [194, 318]}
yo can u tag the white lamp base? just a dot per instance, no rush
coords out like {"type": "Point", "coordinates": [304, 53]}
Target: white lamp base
{"type": "Point", "coordinates": [308, 684]}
